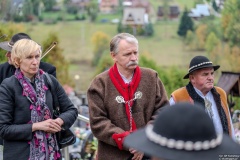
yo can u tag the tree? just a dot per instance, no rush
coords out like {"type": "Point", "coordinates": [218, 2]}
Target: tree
{"type": "Point", "coordinates": [214, 5]}
{"type": "Point", "coordinates": [201, 34]}
{"type": "Point", "coordinates": [231, 21]}
{"type": "Point", "coordinates": [211, 42]}
{"type": "Point", "coordinates": [27, 11]}
{"type": "Point", "coordinates": [149, 29]}
{"type": "Point", "coordinates": [213, 47]}
{"type": "Point", "coordinates": [165, 9]}
{"type": "Point", "coordinates": [100, 41]}
{"type": "Point", "coordinates": [186, 24]}
{"type": "Point", "coordinates": [9, 29]}
{"type": "Point", "coordinates": [56, 58]}
{"type": "Point", "coordinates": [92, 10]}
{"type": "Point", "coordinates": [48, 4]}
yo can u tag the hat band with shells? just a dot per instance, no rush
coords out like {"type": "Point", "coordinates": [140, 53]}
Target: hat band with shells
{"type": "Point", "coordinates": [179, 144]}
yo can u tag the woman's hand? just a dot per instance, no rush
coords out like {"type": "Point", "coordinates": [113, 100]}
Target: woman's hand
{"type": "Point", "coordinates": [49, 125]}
{"type": "Point", "coordinates": [136, 154]}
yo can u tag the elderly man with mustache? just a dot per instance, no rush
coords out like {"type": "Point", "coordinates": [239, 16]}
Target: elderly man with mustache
{"type": "Point", "coordinates": [201, 90]}
{"type": "Point", "coordinates": [122, 99]}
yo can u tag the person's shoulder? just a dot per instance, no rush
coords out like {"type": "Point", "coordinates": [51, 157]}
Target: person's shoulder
{"type": "Point", "coordinates": [10, 81]}
{"type": "Point", "coordinates": [219, 89]}
{"type": "Point", "coordinates": [5, 65]}
{"type": "Point", "coordinates": [102, 74]}
{"type": "Point", "coordinates": [179, 90]}
{"type": "Point", "coordinates": [147, 70]}
{"type": "Point", "coordinates": [44, 64]}
{"type": "Point", "coordinates": [49, 68]}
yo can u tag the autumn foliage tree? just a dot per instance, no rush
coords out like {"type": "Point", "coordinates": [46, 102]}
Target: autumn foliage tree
{"type": "Point", "coordinates": [56, 58]}
{"type": "Point", "coordinates": [231, 21]}
{"type": "Point", "coordinates": [100, 42]}
{"type": "Point", "coordinates": [9, 29]}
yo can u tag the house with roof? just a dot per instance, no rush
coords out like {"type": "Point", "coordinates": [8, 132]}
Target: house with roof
{"type": "Point", "coordinates": [81, 4]}
{"type": "Point", "coordinates": [173, 12]}
{"type": "Point", "coordinates": [138, 4]}
{"type": "Point", "coordinates": [108, 6]}
{"type": "Point", "coordinates": [201, 10]}
{"type": "Point", "coordinates": [134, 16]}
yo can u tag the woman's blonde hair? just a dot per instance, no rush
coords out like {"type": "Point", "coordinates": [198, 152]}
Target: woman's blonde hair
{"type": "Point", "coordinates": [22, 49]}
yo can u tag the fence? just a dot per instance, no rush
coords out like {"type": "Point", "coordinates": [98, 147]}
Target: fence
{"type": "Point", "coordinates": [66, 150]}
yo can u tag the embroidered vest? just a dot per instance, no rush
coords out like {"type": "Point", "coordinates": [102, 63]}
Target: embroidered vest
{"type": "Point", "coordinates": [181, 95]}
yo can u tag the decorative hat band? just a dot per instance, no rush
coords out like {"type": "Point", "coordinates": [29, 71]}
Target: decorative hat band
{"type": "Point", "coordinates": [198, 65]}
{"type": "Point", "coordinates": [10, 45]}
{"type": "Point", "coordinates": [179, 144]}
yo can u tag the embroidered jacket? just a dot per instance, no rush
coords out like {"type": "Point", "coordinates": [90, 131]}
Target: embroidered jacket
{"type": "Point", "coordinates": [108, 117]}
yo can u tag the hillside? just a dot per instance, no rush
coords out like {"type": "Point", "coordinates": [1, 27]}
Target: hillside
{"type": "Point", "coordinates": [165, 47]}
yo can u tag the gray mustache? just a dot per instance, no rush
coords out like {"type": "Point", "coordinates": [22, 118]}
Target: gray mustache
{"type": "Point", "coordinates": [132, 63]}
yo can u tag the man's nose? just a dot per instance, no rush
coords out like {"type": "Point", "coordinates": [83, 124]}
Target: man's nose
{"type": "Point", "coordinates": [134, 57]}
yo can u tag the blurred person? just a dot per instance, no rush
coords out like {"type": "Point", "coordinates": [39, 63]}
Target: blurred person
{"type": "Point", "coordinates": [122, 99]}
{"type": "Point", "coordinates": [201, 89]}
{"type": "Point", "coordinates": [26, 108]}
{"type": "Point", "coordinates": [7, 69]}
{"type": "Point", "coordinates": [183, 132]}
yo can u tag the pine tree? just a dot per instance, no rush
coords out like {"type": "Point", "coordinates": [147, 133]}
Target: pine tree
{"type": "Point", "coordinates": [186, 24]}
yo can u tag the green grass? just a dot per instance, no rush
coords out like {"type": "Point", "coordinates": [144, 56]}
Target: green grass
{"type": "Point", "coordinates": [165, 47]}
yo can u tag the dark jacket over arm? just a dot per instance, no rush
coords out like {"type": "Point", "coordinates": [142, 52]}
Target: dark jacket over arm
{"type": "Point", "coordinates": [15, 116]}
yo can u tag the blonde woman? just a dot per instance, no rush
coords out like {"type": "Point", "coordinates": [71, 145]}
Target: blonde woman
{"type": "Point", "coordinates": [26, 107]}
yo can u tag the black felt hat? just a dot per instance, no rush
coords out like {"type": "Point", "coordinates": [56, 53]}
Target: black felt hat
{"type": "Point", "coordinates": [8, 45]}
{"type": "Point", "coordinates": [199, 62]}
{"type": "Point", "coordinates": [182, 131]}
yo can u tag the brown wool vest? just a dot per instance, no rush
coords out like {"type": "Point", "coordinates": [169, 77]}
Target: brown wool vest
{"type": "Point", "coordinates": [181, 95]}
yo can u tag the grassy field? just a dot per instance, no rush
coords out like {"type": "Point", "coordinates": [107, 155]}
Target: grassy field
{"type": "Point", "coordinates": [165, 47]}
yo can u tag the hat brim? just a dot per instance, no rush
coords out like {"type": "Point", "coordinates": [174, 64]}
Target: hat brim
{"type": "Point", "coordinates": [5, 46]}
{"type": "Point", "coordinates": [140, 142]}
{"type": "Point", "coordinates": [214, 67]}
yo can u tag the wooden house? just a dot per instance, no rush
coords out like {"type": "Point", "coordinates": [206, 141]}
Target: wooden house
{"type": "Point", "coordinates": [173, 12]}
{"type": "Point", "coordinates": [108, 6]}
{"type": "Point", "coordinates": [230, 83]}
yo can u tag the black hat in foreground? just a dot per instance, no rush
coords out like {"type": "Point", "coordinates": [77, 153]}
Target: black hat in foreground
{"type": "Point", "coordinates": [199, 62]}
{"type": "Point", "coordinates": [182, 131]}
{"type": "Point", "coordinates": [8, 45]}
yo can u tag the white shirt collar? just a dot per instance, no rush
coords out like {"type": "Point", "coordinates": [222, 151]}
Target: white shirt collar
{"type": "Point", "coordinates": [125, 79]}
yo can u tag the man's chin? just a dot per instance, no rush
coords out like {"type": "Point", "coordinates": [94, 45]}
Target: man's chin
{"type": "Point", "coordinates": [132, 66]}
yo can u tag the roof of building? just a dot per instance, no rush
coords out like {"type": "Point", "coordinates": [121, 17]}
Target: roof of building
{"type": "Point", "coordinates": [230, 83]}
{"type": "Point", "coordinates": [199, 11]}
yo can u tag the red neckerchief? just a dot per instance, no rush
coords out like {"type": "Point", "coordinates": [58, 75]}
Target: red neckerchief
{"type": "Point", "coordinates": [126, 90]}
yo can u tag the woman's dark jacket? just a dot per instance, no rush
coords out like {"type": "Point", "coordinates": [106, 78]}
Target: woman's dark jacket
{"type": "Point", "coordinates": [15, 116]}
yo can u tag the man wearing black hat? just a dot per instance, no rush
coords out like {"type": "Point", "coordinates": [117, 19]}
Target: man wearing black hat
{"type": "Point", "coordinates": [179, 138]}
{"type": "Point", "coordinates": [201, 90]}
{"type": "Point", "coordinates": [7, 69]}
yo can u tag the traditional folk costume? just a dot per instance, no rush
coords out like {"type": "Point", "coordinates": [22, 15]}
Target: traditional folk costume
{"type": "Point", "coordinates": [189, 94]}
{"type": "Point", "coordinates": [214, 102]}
{"type": "Point", "coordinates": [117, 108]}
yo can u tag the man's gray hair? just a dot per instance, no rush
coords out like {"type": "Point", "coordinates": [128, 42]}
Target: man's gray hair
{"type": "Point", "coordinates": [121, 36]}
